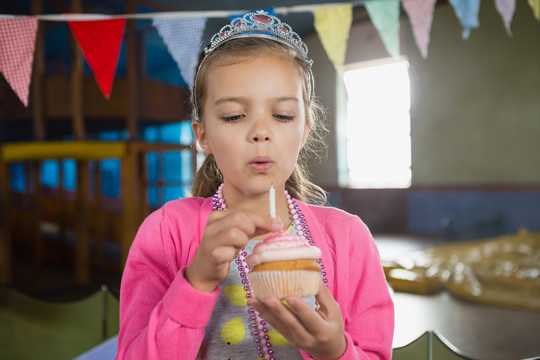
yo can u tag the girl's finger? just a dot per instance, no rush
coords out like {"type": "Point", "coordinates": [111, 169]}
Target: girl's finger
{"type": "Point", "coordinates": [329, 308]}
{"type": "Point", "coordinates": [231, 237]}
{"type": "Point", "coordinates": [324, 298]}
{"type": "Point", "coordinates": [260, 224]}
{"type": "Point", "coordinates": [310, 320]}
{"type": "Point", "coordinates": [224, 254]}
{"type": "Point", "coordinates": [250, 223]}
{"type": "Point", "coordinates": [283, 319]}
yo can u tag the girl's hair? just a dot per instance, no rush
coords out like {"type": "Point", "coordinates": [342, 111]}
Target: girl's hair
{"type": "Point", "coordinates": [208, 178]}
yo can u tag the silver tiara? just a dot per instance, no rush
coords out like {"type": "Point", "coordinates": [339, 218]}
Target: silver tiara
{"type": "Point", "coordinates": [259, 24]}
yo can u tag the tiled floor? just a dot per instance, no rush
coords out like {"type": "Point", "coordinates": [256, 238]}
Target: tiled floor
{"type": "Point", "coordinates": [391, 246]}
{"type": "Point", "coordinates": [479, 331]}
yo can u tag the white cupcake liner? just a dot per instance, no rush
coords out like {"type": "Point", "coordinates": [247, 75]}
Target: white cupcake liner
{"type": "Point", "coordinates": [281, 283]}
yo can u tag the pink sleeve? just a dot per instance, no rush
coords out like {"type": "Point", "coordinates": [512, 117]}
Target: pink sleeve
{"type": "Point", "coordinates": [357, 282]}
{"type": "Point", "coordinates": [369, 318]}
{"type": "Point", "coordinates": [161, 315]}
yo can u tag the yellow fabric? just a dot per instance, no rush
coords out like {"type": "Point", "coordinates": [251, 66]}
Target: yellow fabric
{"type": "Point", "coordinates": [289, 229]}
{"type": "Point", "coordinates": [236, 294]}
{"type": "Point", "coordinates": [233, 332]}
{"type": "Point", "coordinates": [81, 150]}
{"type": "Point", "coordinates": [535, 6]}
{"type": "Point", "coordinates": [333, 26]}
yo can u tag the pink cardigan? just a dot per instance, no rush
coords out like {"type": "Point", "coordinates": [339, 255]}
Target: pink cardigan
{"type": "Point", "coordinates": [163, 317]}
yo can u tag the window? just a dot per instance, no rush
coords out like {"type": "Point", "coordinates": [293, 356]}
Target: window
{"type": "Point", "coordinates": [168, 173]}
{"type": "Point", "coordinates": [376, 147]}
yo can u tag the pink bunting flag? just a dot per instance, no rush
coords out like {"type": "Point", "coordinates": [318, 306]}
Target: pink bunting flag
{"type": "Point", "coordinates": [506, 8]}
{"type": "Point", "coordinates": [421, 16]}
{"type": "Point", "coordinates": [17, 42]}
{"type": "Point", "coordinates": [100, 42]}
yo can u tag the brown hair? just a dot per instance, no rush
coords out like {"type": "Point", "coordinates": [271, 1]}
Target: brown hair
{"type": "Point", "coordinates": [208, 178]}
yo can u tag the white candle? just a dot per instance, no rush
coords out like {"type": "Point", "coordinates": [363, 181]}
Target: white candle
{"type": "Point", "coordinates": [272, 201]}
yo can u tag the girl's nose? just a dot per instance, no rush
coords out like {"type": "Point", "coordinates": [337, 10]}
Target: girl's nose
{"type": "Point", "coordinates": [260, 138]}
{"type": "Point", "coordinates": [260, 132]}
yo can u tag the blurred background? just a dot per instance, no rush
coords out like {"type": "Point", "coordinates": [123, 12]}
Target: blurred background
{"type": "Point", "coordinates": [428, 145]}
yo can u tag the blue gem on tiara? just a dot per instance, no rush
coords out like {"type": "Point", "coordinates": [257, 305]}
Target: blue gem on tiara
{"type": "Point", "coordinates": [260, 24]}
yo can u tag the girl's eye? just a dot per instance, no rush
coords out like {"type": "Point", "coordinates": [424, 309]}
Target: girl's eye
{"type": "Point", "coordinates": [232, 118]}
{"type": "Point", "coordinates": [284, 118]}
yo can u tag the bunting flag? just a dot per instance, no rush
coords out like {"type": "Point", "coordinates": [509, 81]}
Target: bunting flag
{"type": "Point", "coordinates": [421, 16]}
{"type": "Point", "coordinates": [182, 38]}
{"type": "Point", "coordinates": [100, 35]}
{"type": "Point", "coordinates": [385, 16]}
{"type": "Point", "coordinates": [17, 42]}
{"type": "Point", "coordinates": [506, 8]}
{"type": "Point", "coordinates": [535, 6]}
{"type": "Point", "coordinates": [333, 26]}
{"type": "Point", "coordinates": [467, 13]}
{"type": "Point", "coordinates": [100, 42]}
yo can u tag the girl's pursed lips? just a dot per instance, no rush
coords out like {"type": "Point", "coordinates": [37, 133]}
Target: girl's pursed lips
{"type": "Point", "coordinates": [261, 163]}
{"type": "Point", "coordinates": [261, 159]}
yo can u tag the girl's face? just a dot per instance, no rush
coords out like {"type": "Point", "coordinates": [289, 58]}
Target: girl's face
{"type": "Point", "coordinates": [254, 122]}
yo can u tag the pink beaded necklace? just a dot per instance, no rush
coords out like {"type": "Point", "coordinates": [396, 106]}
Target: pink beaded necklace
{"type": "Point", "coordinates": [259, 329]}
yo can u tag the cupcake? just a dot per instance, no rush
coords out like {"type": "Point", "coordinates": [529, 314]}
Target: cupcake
{"type": "Point", "coordinates": [284, 264]}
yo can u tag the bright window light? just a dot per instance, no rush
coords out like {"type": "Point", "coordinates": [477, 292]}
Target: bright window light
{"type": "Point", "coordinates": [377, 126]}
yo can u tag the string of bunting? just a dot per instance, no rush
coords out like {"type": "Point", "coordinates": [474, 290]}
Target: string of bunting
{"type": "Point", "coordinates": [100, 36]}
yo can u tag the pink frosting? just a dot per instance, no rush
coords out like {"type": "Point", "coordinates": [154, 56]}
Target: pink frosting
{"type": "Point", "coordinates": [282, 246]}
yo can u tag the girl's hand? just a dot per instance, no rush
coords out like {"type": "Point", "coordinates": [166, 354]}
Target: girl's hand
{"type": "Point", "coordinates": [226, 233]}
{"type": "Point", "coordinates": [320, 333]}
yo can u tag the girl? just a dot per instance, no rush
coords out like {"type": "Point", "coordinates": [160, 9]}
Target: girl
{"type": "Point", "coordinates": [184, 291]}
